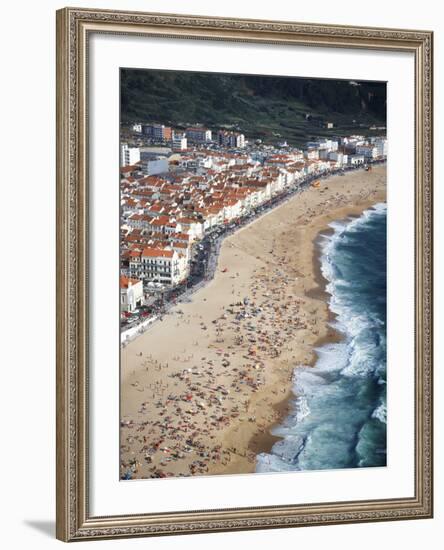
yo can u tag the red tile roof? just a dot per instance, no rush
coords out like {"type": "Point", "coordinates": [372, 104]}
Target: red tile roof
{"type": "Point", "coordinates": [157, 253]}
{"type": "Point", "coordinates": [125, 282]}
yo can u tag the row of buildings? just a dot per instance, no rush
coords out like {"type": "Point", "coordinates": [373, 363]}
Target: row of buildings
{"type": "Point", "coordinates": [163, 215]}
{"type": "Point", "coordinates": [179, 139]}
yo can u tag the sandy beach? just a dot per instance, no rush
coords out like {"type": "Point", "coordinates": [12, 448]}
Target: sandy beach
{"type": "Point", "coordinates": [201, 389]}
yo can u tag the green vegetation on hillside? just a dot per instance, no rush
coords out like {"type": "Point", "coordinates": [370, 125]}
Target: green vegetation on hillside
{"type": "Point", "coordinates": [295, 109]}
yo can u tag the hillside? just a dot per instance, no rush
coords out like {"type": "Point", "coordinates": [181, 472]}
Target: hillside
{"type": "Point", "coordinates": [259, 106]}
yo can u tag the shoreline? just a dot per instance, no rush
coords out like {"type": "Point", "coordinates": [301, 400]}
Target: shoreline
{"type": "Point", "coordinates": [338, 335]}
{"type": "Point", "coordinates": [332, 335]}
{"type": "Point", "coordinates": [283, 281]}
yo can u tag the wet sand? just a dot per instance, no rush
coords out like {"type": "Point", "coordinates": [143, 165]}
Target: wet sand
{"type": "Point", "coordinates": [201, 389]}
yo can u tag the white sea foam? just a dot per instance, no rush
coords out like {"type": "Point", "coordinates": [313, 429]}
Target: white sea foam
{"type": "Point", "coordinates": [302, 408]}
{"type": "Point", "coordinates": [332, 357]}
{"type": "Point", "coordinates": [381, 413]}
{"type": "Point", "coordinates": [271, 463]}
{"type": "Point", "coordinates": [354, 325]}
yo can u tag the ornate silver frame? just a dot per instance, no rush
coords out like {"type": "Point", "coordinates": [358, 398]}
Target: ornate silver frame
{"type": "Point", "coordinates": [73, 519]}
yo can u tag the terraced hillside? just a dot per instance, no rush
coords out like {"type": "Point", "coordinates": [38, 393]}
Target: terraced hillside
{"type": "Point", "coordinates": [270, 107]}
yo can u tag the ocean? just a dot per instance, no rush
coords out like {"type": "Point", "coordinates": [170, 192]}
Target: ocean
{"type": "Point", "coordinates": [338, 415]}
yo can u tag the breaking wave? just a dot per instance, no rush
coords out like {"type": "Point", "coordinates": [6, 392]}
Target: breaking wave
{"type": "Point", "coordinates": [339, 413]}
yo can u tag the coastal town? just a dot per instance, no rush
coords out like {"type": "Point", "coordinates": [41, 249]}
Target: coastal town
{"type": "Point", "coordinates": [183, 191]}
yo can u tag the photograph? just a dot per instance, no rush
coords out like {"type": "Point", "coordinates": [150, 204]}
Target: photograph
{"type": "Point", "coordinates": [252, 274]}
{"type": "Point", "coordinates": [244, 273]}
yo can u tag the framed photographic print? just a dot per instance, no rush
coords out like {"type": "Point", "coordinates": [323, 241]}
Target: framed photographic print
{"type": "Point", "coordinates": [244, 274]}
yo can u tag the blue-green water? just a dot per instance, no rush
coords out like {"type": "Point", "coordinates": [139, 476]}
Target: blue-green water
{"type": "Point", "coordinates": [339, 411]}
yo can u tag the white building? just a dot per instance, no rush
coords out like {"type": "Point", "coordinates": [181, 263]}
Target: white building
{"type": "Point", "coordinates": [231, 139]}
{"type": "Point", "coordinates": [156, 166]}
{"type": "Point", "coordinates": [355, 160]}
{"type": "Point", "coordinates": [131, 293]}
{"type": "Point", "coordinates": [370, 152]}
{"type": "Point", "coordinates": [338, 157]}
{"type": "Point", "coordinates": [137, 127]}
{"type": "Point", "coordinates": [278, 183]}
{"type": "Point", "coordinates": [323, 144]}
{"type": "Point", "coordinates": [381, 147]}
{"type": "Point", "coordinates": [180, 142]}
{"type": "Point", "coordinates": [191, 227]}
{"type": "Point", "coordinates": [214, 216]}
{"type": "Point", "coordinates": [232, 209]}
{"type": "Point", "coordinates": [240, 140]}
{"type": "Point", "coordinates": [129, 155]}
{"type": "Point", "coordinates": [160, 265]}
